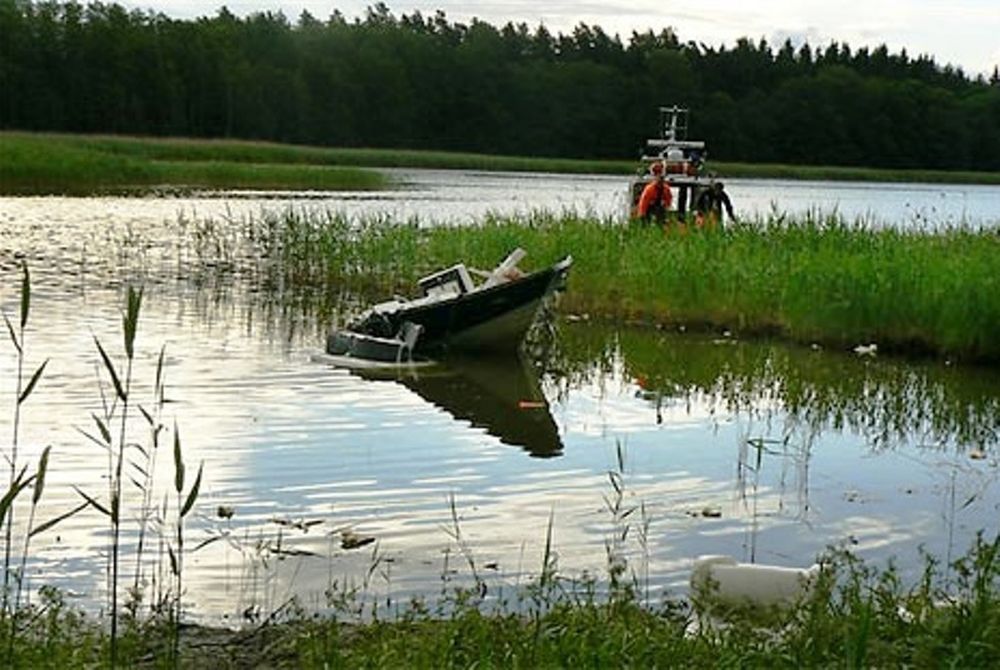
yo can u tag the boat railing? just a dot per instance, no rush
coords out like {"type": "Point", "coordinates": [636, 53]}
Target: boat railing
{"type": "Point", "coordinates": [682, 159]}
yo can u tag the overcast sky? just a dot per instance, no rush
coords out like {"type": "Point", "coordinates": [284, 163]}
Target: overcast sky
{"type": "Point", "coordinates": [961, 32]}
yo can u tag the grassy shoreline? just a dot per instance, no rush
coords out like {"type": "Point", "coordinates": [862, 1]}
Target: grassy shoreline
{"type": "Point", "coordinates": [43, 163]}
{"type": "Point", "coordinates": [812, 281]}
{"type": "Point", "coordinates": [857, 615]}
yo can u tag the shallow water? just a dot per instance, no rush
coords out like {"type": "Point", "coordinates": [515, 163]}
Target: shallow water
{"type": "Point", "coordinates": [755, 450]}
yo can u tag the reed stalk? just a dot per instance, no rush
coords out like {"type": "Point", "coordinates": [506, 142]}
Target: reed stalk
{"type": "Point", "coordinates": [147, 470]}
{"type": "Point", "coordinates": [22, 392]}
{"type": "Point", "coordinates": [185, 502]}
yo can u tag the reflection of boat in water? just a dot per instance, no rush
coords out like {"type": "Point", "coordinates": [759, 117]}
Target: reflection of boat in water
{"type": "Point", "coordinates": [453, 314]}
{"type": "Point", "coordinates": [499, 394]}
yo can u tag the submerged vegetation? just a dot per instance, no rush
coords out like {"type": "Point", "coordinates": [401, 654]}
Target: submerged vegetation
{"type": "Point", "coordinates": [816, 280]}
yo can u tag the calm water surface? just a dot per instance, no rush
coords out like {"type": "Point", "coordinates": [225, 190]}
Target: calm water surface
{"type": "Point", "coordinates": [458, 196]}
{"type": "Point", "coordinates": [758, 451]}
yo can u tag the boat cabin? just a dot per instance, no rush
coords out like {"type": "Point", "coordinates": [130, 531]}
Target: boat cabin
{"type": "Point", "coordinates": [450, 281]}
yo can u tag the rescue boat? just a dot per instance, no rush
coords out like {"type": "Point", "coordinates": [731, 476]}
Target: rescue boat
{"type": "Point", "coordinates": [682, 161]}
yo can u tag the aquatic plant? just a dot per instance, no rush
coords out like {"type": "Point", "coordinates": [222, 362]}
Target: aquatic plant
{"type": "Point", "coordinates": [185, 503]}
{"type": "Point", "coordinates": [11, 612]}
{"type": "Point", "coordinates": [818, 279]}
{"type": "Point", "coordinates": [124, 468]}
{"type": "Point", "coordinates": [23, 389]}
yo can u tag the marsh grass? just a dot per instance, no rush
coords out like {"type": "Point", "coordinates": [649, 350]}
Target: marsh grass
{"type": "Point", "coordinates": [12, 616]}
{"type": "Point", "coordinates": [812, 280]}
{"type": "Point", "coordinates": [857, 616]}
{"type": "Point", "coordinates": [80, 165]}
{"type": "Point", "coordinates": [850, 173]}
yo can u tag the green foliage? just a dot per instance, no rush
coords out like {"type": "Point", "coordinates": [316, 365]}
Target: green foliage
{"type": "Point", "coordinates": [815, 280]}
{"type": "Point", "coordinates": [416, 82]}
{"type": "Point", "coordinates": [76, 164]}
{"type": "Point", "coordinates": [857, 615]}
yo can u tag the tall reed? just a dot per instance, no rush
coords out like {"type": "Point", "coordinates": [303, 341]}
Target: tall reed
{"type": "Point", "coordinates": [185, 502]}
{"type": "Point", "coordinates": [147, 470]}
{"type": "Point", "coordinates": [119, 411]}
{"type": "Point", "coordinates": [19, 482]}
{"type": "Point", "coordinates": [23, 389]}
{"type": "Point", "coordinates": [814, 279]}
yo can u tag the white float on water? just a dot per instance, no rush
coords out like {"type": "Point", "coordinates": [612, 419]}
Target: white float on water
{"type": "Point", "coordinates": [729, 583]}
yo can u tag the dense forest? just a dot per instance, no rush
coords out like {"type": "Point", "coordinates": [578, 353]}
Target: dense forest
{"type": "Point", "coordinates": [417, 81]}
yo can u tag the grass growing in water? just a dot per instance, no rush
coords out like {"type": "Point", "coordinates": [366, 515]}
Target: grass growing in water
{"type": "Point", "coordinates": [26, 629]}
{"type": "Point", "coordinates": [811, 280]}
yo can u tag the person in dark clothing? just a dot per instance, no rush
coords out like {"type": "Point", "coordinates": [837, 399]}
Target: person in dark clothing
{"type": "Point", "coordinates": [710, 203]}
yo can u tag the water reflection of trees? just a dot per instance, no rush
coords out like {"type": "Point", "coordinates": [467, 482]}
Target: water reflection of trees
{"type": "Point", "coordinates": [889, 401]}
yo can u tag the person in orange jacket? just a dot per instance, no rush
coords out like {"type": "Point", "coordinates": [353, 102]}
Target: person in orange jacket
{"type": "Point", "coordinates": [656, 197]}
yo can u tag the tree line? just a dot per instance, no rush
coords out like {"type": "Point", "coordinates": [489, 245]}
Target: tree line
{"type": "Point", "coordinates": [415, 81]}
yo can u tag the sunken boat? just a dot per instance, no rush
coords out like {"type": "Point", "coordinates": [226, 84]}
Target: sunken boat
{"type": "Point", "coordinates": [453, 314]}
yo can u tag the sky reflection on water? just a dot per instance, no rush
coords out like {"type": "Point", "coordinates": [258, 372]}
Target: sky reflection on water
{"type": "Point", "coordinates": [285, 437]}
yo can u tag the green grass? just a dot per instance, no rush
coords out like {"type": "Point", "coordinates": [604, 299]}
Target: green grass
{"type": "Point", "coordinates": [83, 164]}
{"type": "Point", "coordinates": [812, 280]}
{"type": "Point", "coordinates": [851, 173]}
{"type": "Point", "coordinates": [858, 615]}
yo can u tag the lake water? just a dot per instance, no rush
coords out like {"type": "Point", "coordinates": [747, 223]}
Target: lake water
{"type": "Point", "coordinates": [458, 196]}
{"type": "Point", "coordinates": [755, 450]}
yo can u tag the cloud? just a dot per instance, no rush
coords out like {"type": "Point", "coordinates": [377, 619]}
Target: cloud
{"type": "Point", "coordinates": [959, 31]}
{"type": "Point", "coordinates": [810, 35]}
